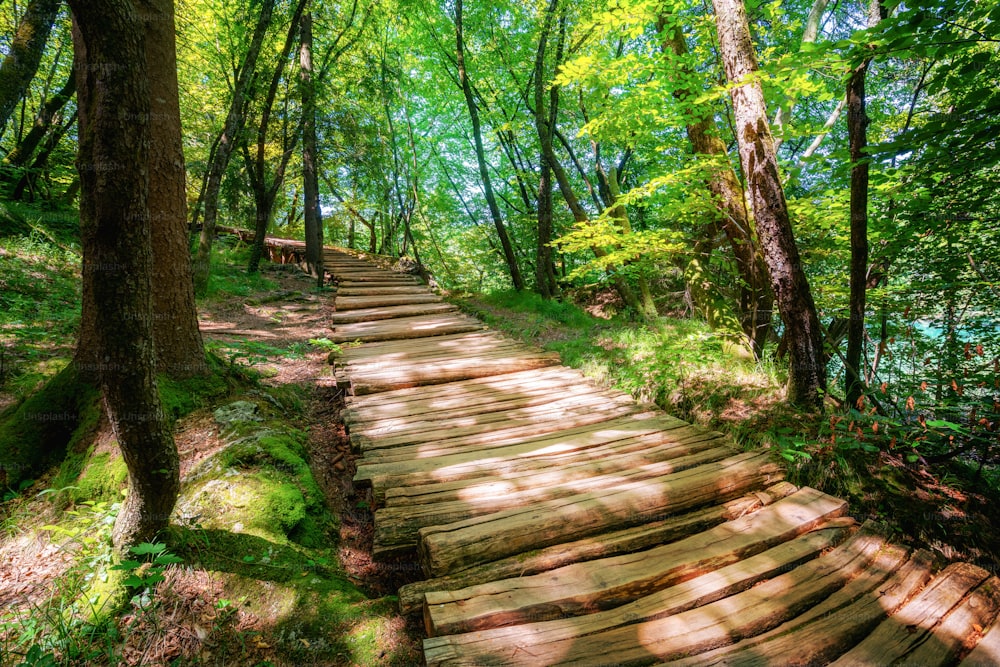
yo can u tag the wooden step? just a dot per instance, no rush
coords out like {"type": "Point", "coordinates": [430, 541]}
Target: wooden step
{"type": "Point", "coordinates": [602, 584]}
{"type": "Point", "coordinates": [406, 327]}
{"type": "Point", "coordinates": [695, 592]}
{"type": "Point", "coordinates": [443, 549]}
{"type": "Point", "coordinates": [366, 302]}
{"type": "Point", "coordinates": [379, 290]}
{"type": "Point", "coordinates": [907, 632]}
{"type": "Point", "coordinates": [390, 312]}
{"type": "Point", "coordinates": [397, 526]}
{"type": "Point", "coordinates": [606, 545]}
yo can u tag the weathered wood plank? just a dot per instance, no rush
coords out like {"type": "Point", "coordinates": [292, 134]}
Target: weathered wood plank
{"type": "Point", "coordinates": [548, 377]}
{"type": "Point", "coordinates": [360, 302]}
{"type": "Point", "coordinates": [904, 632]}
{"type": "Point", "coordinates": [960, 631]}
{"type": "Point", "coordinates": [390, 312]}
{"type": "Point", "coordinates": [654, 533]}
{"type": "Point", "coordinates": [379, 277]}
{"type": "Point", "coordinates": [578, 589]}
{"type": "Point", "coordinates": [722, 622]}
{"type": "Point", "coordinates": [406, 327]}
{"type": "Point", "coordinates": [837, 623]}
{"type": "Point", "coordinates": [482, 539]}
{"type": "Point", "coordinates": [620, 465]}
{"type": "Point", "coordinates": [439, 372]}
{"type": "Point", "coordinates": [396, 526]}
{"type": "Point", "coordinates": [987, 651]}
{"type": "Point", "coordinates": [380, 290]}
{"type": "Point", "coordinates": [481, 428]}
{"type": "Point", "coordinates": [699, 591]}
{"type": "Point", "coordinates": [586, 443]}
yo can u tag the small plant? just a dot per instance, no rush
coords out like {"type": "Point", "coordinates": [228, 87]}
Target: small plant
{"type": "Point", "coordinates": [143, 575]}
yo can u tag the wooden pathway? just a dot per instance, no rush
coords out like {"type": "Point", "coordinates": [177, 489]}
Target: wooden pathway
{"type": "Point", "coordinates": [559, 523]}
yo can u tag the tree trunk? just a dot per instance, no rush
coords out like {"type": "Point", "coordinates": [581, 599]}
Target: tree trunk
{"type": "Point", "coordinates": [484, 173]}
{"type": "Point", "coordinates": [545, 126]}
{"type": "Point", "coordinates": [29, 176]}
{"type": "Point", "coordinates": [230, 134]}
{"type": "Point", "coordinates": [117, 255]}
{"type": "Point", "coordinates": [180, 352]}
{"type": "Point", "coordinates": [48, 116]}
{"type": "Point", "coordinates": [545, 274]}
{"type": "Point", "coordinates": [807, 376]}
{"type": "Point", "coordinates": [24, 55]}
{"type": "Point", "coordinates": [310, 181]}
{"type": "Point", "coordinates": [756, 299]}
{"type": "Point", "coordinates": [857, 131]}
{"type": "Point", "coordinates": [266, 194]}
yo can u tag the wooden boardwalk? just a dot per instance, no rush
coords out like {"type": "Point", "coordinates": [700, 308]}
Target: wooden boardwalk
{"type": "Point", "coordinates": [559, 523]}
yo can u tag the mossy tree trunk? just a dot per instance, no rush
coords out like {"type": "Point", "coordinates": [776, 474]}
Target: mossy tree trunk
{"type": "Point", "coordinates": [114, 169]}
{"type": "Point", "coordinates": [25, 53]}
{"type": "Point", "coordinates": [807, 375]}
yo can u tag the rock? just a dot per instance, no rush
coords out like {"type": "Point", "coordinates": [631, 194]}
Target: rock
{"type": "Point", "coordinates": [237, 413]}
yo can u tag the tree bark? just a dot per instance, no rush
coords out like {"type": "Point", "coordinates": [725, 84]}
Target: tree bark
{"type": "Point", "coordinates": [117, 254]}
{"type": "Point", "coordinates": [230, 134]}
{"type": "Point", "coordinates": [29, 176]}
{"type": "Point", "coordinates": [26, 49]}
{"type": "Point", "coordinates": [857, 131]}
{"type": "Point", "coordinates": [807, 375]}
{"type": "Point", "coordinates": [180, 352]}
{"type": "Point", "coordinates": [508, 248]}
{"type": "Point", "coordinates": [310, 180]}
{"type": "Point", "coordinates": [756, 299]}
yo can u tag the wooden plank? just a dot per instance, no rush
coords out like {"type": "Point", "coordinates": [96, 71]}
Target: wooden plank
{"type": "Point", "coordinates": [406, 327]}
{"type": "Point", "coordinates": [389, 312]}
{"type": "Point", "coordinates": [696, 630]}
{"type": "Point", "coordinates": [446, 548]}
{"type": "Point", "coordinates": [414, 415]}
{"type": "Point", "coordinates": [987, 651]}
{"type": "Point", "coordinates": [396, 526]}
{"type": "Point", "coordinates": [654, 533]}
{"type": "Point", "coordinates": [631, 462]}
{"type": "Point", "coordinates": [379, 277]}
{"type": "Point", "coordinates": [961, 630]}
{"type": "Point", "coordinates": [557, 449]}
{"type": "Point", "coordinates": [550, 377]}
{"type": "Point", "coordinates": [388, 354]}
{"type": "Point", "coordinates": [379, 290]}
{"type": "Point", "coordinates": [585, 587]}
{"type": "Point", "coordinates": [834, 625]}
{"type": "Point", "coordinates": [905, 631]}
{"type": "Point", "coordinates": [448, 371]}
{"type": "Point", "coordinates": [487, 425]}
{"type": "Point", "coordinates": [696, 592]}
{"type": "Point", "coordinates": [364, 302]}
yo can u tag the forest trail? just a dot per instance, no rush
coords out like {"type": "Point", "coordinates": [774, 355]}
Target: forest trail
{"type": "Point", "coordinates": [561, 523]}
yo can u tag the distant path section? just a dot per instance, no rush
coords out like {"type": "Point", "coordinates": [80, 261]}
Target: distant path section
{"type": "Point", "coordinates": [561, 523]}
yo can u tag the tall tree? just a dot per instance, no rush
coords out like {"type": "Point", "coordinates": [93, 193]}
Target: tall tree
{"type": "Point", "coordinates": [117, 254]}
{"type": "Point", "coordinates": [477, 135]}
{"type": "Point", "coordinates": [45, 121]}
{"type": "Point", "coordinates": [227, 141]}
{"type": "Point", "coordinates": [179, 349]}
{"type": "Point", "coordinates": [310, 179]}
{"type": "Point", "coordinates": [857, 130]}
{"type": "Point", "coordinates": [756, 299]}
{"type": "Point", "coordinates": [21, 62]}
{"type": "Point", "coordinates": [807, 375]}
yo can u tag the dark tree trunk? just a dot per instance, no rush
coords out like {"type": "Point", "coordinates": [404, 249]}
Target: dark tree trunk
{"type": "Point", "coordinates": [117, 255]}
{"type": "Point", "coordinates": [545, 274]}
{"type": "Point", "coordinates": [484, 173]}
{"type": "Point", "coordinates": [807, 376]}
{"type": "Point", "coordinates": [545, 126]}
{"type": "Point", "coordinates": [857, 130]}
{"type": "Point", "coordinates": [230, 134]}
{"type": "Point", "coordinates": [180, 352]}
{"type": "Point", "coordinates": [265, 194]}
{"type": "Point", "coordinates": [310, 179]}
{"type": "Point", "coordinates": [21, 62]}
{"type": "Point", "coordinates": [47, 119]}
{"type": "Point", "coordinates": [29, 176]}
{"type": "Point", "coordinates": [756, 299]}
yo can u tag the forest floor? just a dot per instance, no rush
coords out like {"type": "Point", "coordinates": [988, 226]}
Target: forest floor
{"type": "Point", "coordinates": [242, 593]}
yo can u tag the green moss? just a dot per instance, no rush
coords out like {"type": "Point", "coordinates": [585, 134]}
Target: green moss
{"type": "Point", "coordinates": [102, 478]}
{"type": "Point", "coordinates": [50, 422]}
{"type": "Point", "coordinates": [182, 397]}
